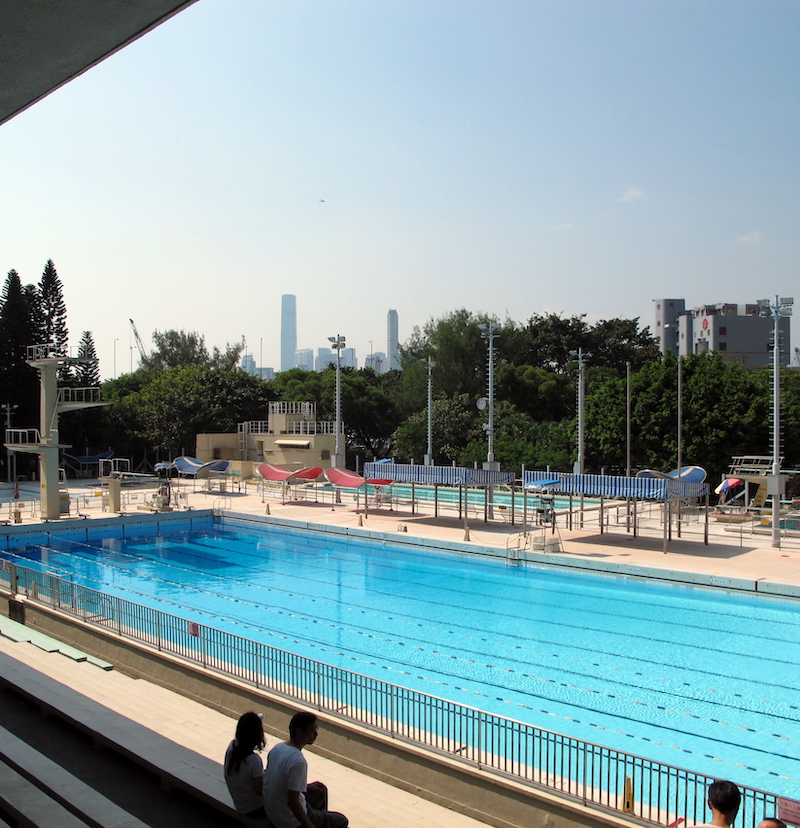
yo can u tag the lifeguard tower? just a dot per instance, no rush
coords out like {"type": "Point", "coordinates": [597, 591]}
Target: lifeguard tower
{"type": "Point", "coordinates": [47, 359]}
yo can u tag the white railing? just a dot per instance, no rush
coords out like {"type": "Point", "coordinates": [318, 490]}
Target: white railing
{"type": "Point", "coordinates": [18, 436]}
{"type": "Point", "coordinates": [305, 409]}
{"type": "Point", "coordinates": [78, 395]}
{"type": "Point", "coordinates": [49, 350]}
{"type": "Point", "coordinates": [313, 427]}
{"type": "Point", "coordinates": [254, 427]}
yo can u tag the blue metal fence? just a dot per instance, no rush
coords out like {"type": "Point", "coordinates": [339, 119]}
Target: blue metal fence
{"type": "Point", "coordinates": [584, 771]}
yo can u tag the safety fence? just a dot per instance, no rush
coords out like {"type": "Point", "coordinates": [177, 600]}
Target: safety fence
{"type": "Point", "coordinates": [583, 771]}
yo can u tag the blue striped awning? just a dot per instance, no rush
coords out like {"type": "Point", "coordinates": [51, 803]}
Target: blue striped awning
{"type": "Point", "coordinates": [448, 475]}
{"type": "Point", "coordinates": [604, 485]}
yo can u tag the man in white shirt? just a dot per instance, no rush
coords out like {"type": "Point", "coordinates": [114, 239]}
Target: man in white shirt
{"type": "Point", "coordinates": [286, 781]}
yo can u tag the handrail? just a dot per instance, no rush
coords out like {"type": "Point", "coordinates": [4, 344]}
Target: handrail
{"type": "Point", "coordinates": [18, 436]}
{"type": "Point", "coordinates": [584, 771]}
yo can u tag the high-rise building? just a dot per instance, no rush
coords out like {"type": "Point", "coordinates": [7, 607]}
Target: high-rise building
{"type": "Point", "coordinates": [376, 361]}
{"type": "Point", "coordinates": [325, 356]}
{"type": "Point", "coordinates": [392, 344]}
{"type": "Point", "coordinates": [349, 358]}
{"type": "Point", "coordinates": [248, 364]}
{"type": "Point", "coordinates": [304, 359]}
{"type": "Point", "coordinates": [288, 330]}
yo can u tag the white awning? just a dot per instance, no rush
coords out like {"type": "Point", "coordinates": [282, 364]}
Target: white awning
{"type": "Point", "coordinates": [293, 443]}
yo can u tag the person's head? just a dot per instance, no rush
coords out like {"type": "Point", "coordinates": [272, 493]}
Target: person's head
{"type": "Point", "coordinates": [303, 728]}
{"type": "Point", "coordinates": [724, 796]}
{"type": "Point", "coordinates": [771, 822]}
{"type": "Point", "coordinates": [250, 732]}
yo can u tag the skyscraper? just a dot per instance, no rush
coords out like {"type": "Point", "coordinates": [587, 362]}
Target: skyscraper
{"type": "Point", "coordinates": [392, 342]}
{"type": "Point", "coordinates": [288, 330]}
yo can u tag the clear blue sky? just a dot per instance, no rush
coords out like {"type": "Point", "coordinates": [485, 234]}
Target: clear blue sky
{"type": "Point", "coordinates": [573, 156]}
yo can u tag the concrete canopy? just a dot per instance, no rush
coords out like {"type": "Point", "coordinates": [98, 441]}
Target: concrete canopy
{"type": "Point", "coordinates": [46, 43]}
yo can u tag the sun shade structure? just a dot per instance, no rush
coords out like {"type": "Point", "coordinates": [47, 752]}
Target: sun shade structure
{"type": "Point", "coordinates": [191, 465]}
{"type": "Point", "coordinates": [275, 473]}
{"type": "Point", "coordinates": [345, 479]}
{"type": "Point", "coordinates": [445, 475]}
{"type": "Point", "coordinates": [604, 485]}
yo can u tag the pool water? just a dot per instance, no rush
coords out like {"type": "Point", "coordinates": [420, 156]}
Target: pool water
{"type": "Point", "coordinates": [701, 678]}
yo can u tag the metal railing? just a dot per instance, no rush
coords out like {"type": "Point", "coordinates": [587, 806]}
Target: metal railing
{"type": "Point", "coordinates": [79, 395]}
{"type": "Point", "coordinates": [311, 427]}
{"type": "Point", "coordinates": [305, 409]}
{"type": "Point", "coordinates": [19, 436]}
{"type": "Point", "coordinates": [583, 771]}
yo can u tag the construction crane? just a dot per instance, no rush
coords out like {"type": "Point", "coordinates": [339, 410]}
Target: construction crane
{"type": "Point", "coordinates": [139, 344]}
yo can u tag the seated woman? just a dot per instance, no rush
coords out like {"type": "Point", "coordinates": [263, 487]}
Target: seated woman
{"type": "Point", "coordinates": [244, 769]}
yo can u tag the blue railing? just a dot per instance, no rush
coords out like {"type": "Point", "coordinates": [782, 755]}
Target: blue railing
{"type": "Point", "coordinates": [584, 771]}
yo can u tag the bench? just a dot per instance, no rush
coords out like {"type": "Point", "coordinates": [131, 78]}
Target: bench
{"type": "Point", "coordinates": [39, 793]}
{"type": "Point", "coordinates": [175, 765]}
{"type": "Point", "coordinates": [15, 631]}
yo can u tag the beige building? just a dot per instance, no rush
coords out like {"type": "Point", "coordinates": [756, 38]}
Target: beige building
{"type": "Point", "coordinates": [292, 437]}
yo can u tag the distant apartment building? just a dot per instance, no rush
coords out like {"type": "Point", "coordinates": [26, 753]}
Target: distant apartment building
{"type": "Point", "coordinates": [349, 358]}
{"type": "Point", "coordinates": [304, 359]}
{"type": "Point", "coordinates": [324, 357]}
{"type": "Point", "coordinates": [376, 361]}
{"type": "Point", "coordinates": [736, 331]}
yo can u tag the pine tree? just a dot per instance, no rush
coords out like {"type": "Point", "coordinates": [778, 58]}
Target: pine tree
{"type": "Point", "coordinates": [19, 384]}
{"type": "Point", "coordinates": [54, 311]}
{"type": "Point", "coordinates": [87, 375]}
{"type": "Point", "coordinates": [54, 314]}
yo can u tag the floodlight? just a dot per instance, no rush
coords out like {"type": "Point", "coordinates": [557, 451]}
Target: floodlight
{"type": "Point", "coordinates": [784, 311]}
{"type": "Point", "coordinates": [787, 300]}
{"type": "Point", "coordinates": [762, 303]}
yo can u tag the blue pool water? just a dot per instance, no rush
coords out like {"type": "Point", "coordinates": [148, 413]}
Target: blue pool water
{"type": "Point", "coordinates": [700, 678]}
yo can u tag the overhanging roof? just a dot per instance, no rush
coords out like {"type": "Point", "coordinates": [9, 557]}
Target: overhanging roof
{"type": "Point", "coordinates": [46, 43]}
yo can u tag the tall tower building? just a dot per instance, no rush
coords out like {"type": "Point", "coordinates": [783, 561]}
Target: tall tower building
{"type": "Point", "coordinates": [288, 330]}
{"type": "Point", "coordinates": [392, 343]}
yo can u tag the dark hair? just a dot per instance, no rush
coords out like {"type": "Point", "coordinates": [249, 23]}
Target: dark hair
{"type": "Point", "coordinates": [724, 796]}
{"type": "Point", "coordinates": [301, 721]}
{"type": "Point", "coordinates": [249, 737]}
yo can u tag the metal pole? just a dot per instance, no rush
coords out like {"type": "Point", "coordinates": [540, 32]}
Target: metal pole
{"type": "Point", "coordinates": [429, 455]}
{"type": "Point", "coordinates": [776, 425]}
{"type": "Point", "coordinates": [680, 435]}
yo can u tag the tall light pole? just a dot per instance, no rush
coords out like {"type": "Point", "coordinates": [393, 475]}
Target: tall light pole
{"type": "Point", "coordinates": [489, 333]}
{"type": "Point", "coordinates": [781, 308]}
{"type": "Point", "coordinates": [429, 455]}
{"type": "Point", "coordinates": [337, 343]}
{"type": "Point", "coordinates": [578, 468]}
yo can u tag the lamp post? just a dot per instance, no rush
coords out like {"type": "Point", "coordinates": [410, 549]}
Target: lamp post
{"type": "Point", "coordinates": [429, 455]}
{"type": "Point", "coordinates": [488, 332]}
{"type": "Point", "coordinates": [337, 343]}
{"type": "Point", "coordinates": [578, 469]}
{"type": "Point", "coordinates": [781, 308]}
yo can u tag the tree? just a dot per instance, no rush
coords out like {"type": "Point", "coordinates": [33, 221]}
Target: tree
{"type": "Point", "coordinates": [165, 410]}
{"type": "Point", "coordinates": [19, 384]}
{"type": "Point", "coordinates": [455, 424]}
{"type": "Point", "coordinates": [541, 394]}
{"type": "Point", "coordinates": [54, 310]}
{"type": "Point", "coordinates": [87, 375]}
{"type": "Point", "coordinates": [545, 341]}
{"type": "Point", "coordinates": [457, 348]}
{"type": "Point", "coordinates": [615, 342]}
{"type": "Point", "coordinates": [178, 349]}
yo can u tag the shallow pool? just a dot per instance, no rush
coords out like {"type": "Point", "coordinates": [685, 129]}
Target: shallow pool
{"type": "Point", "coordinates": [701, 678]}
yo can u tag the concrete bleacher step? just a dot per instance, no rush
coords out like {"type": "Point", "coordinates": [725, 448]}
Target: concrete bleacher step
{"type": "Point", "coordinates": [19, 632]}
{"type": "Point", "coordinates": [57, 799]}
{"type": "Point", "coordinates": [173, 763]}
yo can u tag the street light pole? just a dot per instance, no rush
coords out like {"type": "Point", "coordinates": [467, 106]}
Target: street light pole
{"type": "Point", "coordinates": [781, 308]}
{"type": "Point", "coordinates": [429, 455]}
{"type": "Point", "coordinates": [337, 343]}
{"type": "Point", "coordinates": [488, 332]}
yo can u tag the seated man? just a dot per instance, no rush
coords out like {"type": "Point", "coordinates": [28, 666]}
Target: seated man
{"type": "Point", "coordinates": [724, 800]}
{"type": "Point", "coordinates": [285, 782]}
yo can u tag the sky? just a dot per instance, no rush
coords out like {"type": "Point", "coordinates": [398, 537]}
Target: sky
{"type": "Point", "coordinates": [511, 157]}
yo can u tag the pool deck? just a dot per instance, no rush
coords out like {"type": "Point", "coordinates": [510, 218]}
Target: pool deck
{"type": "Point", "coordinates": [730, 559]}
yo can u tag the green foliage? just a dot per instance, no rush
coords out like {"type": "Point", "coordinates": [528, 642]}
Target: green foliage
{"type": "Point", "coordinates": [178, 349]}
{"type": "Point", "coordinates": [455, 424]}
{"type": "Point", "coordinates": [167, 409]}
{"type": "Point", "coordinates": [539, 393]}
{"type": "Point", "coordinates": [725, 412]}
{"type": "Point", "coordinates": [459, 351]}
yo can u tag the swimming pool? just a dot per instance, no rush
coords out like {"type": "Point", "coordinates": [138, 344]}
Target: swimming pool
{"type": "Point", "coordinates": [705, 679]}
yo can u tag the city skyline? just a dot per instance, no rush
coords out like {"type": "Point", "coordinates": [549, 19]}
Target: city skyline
{"type": "Point", "coordinates": [513, 159]}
